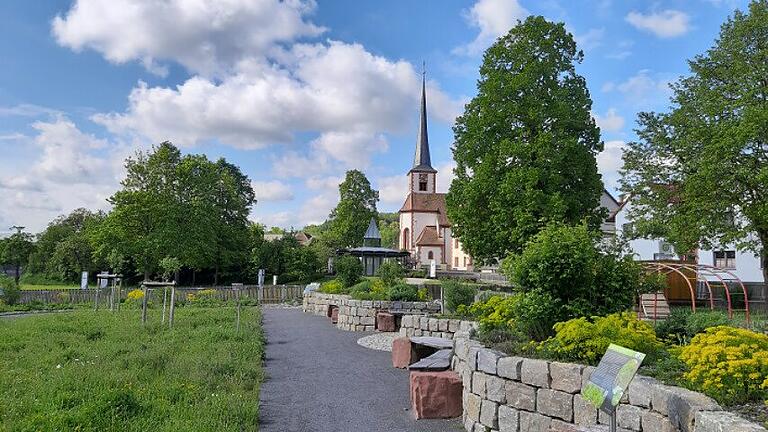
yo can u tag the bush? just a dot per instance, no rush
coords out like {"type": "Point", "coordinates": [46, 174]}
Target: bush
{"type": "Point", "coordinates": [682, 324]}
{"type": "Point", "coordinates": [391, 273]}
{"type": "Point", "coordinates": [455, 294]}
{"type": "Point", "coordinates": [530, 313]}
{"type": "Point", "coordinates": [334, 286]}
{"type": "Point", "coordinates": [494, 313]}
{"type": "Point", "coordinates": [729, 364]}
{"type": "Point", "coordinates": [586, 340]}
{"type": "Point", "coordinates": [369, 290]}
{"type": "Point", "coordinates": [348, 270]}
{"type": "Point", "coordinates": [404, 292]}
{"type": "Point", "coordinates": [11, 292]}
{"type": "Point", "coordinates": [569, 264]}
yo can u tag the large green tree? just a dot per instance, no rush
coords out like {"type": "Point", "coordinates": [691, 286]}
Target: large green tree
{"type": "Point", "coordinates": [526, 144]}
{"type": "Point", "coordinates": [357, 205]}
{"type": "Point", "coordinates": [16, 250]}
{"type": "Point", "coordinates": [698, 174]}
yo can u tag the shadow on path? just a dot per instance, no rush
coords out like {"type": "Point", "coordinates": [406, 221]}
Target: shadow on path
{"type": "Point", "coordinates": [320, 380]}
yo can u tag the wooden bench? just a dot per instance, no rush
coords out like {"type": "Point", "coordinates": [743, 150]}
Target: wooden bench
{"type": "Point", "coordinates": [431, 353]}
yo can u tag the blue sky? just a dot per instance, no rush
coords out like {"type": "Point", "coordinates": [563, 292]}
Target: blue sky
{"type": "Point", "coordinates": [295, 92]}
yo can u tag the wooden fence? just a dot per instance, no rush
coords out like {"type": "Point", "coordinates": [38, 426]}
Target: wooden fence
{"type": "Point", "coordinates": [268, 294]}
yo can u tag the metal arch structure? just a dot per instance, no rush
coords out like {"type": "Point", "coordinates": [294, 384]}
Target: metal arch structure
{"type": "Point", "coordinates": [704, 270]}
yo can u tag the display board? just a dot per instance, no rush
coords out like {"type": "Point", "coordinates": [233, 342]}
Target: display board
{"type": "Point", "coordinates": [610, 380]}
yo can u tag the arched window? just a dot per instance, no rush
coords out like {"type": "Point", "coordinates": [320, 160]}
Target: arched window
{"type": "Point", "coordinates": [406, 237]}
{"type": "Point", "coordinates": [431, 255]}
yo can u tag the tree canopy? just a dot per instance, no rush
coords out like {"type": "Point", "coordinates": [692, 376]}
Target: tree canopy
{"type": "Point", "coordinates": [526, 144]}
{"type": "Point", "coordinates": [353, 213]}
{"type": "Point", "coordinates": [698, 174]}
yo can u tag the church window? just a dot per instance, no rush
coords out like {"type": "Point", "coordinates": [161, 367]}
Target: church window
{"type": "Point", "coordinates": [406, 237]}
{"type": "Point", "coordinates": [456, 261]}
{"type": "Point", "coordinates": [431, 255]}
{"type": "Point", "coordinates": [422, 182]}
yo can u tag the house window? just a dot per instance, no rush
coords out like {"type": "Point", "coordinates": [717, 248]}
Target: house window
{"type": "Point", "coordinates": [422, 182]}
{"type": "Point", "coordinates": [406, 237]}
{"type": "Point", "coordinates": [456, 243]}
{"type": "Point", "coordinates": [465, 261]}
{"type": "Point", "coordinates": [431, 255]}
{"type": "Point", "coordinates": [725, 259]}
{"type": "Point", "coordinates": [456, 261]}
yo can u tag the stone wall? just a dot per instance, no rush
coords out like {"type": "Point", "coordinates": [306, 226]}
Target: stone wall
{"type": "Point", "coordinates": [420, 325]}
{"type": "Point", "coordinates": [360, 315]}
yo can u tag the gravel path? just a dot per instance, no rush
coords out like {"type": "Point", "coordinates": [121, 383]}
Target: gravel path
{"type": "Point", "coordinates": [319, 379]}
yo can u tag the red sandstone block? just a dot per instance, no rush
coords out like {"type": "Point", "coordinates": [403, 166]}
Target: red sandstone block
{"type": "Point", "coordinates": [435, 395]}
{"type": "Point", "coordinates": [385, 322]}
{"type": "Point", "coordinates": [401, 352]}
{"type": "Point", "coordinates": [335, 315]}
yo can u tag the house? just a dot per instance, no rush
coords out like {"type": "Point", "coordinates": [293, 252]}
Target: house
{"type": "Point", "coordinates": [303, 238]}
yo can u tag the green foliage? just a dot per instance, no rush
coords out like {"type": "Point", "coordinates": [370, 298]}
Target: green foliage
{"type": "Point", "coordinates": [16, 251]}
{"type": "Point", "coordinates": [728, 364]}
{"type": "Point", "coordinates": [586, 340]}
{"type": "Point", "coordinates": [675, 172]}
{"type": "Point", "coordinates": [531, 313]}
{"type": "Point", "coordinates": [370, 290]}
{"type": "Point", "coordinates": [348, 270]}
{"type": "Point", "coordinates": [10, 289]}
{"type": "Point", "coordinates": [526, 144]}
{"type": "Point", "coordinates": [334, 286]}
{"type": "Point", "coordinates": [138, 378]}
{"type": "Point", "coordinates": [404, 292]}
{"type": "Point", "coordinates": [568, 264]}
{"type": "Point", "coordinates": [389, 227]}
{"type": "Point", "coordinates": [455, 294]}
{"type": "Point", "coordinates": [391, 273]}
{"type": "Point", "coordinates": [682, 324]}
{"type": "Point", "coordinates": [356, 207]}
{"type": "Point", "coordinates": [170, 266]}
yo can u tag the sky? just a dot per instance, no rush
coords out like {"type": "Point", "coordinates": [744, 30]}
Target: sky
{"type": "Point", "coordinates": [295, 92]}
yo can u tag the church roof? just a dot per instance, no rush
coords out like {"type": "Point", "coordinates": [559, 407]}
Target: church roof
{"type": "Point", "coordinates": [421, 160]}
{"type": "Point", "coordinates": [373, 231]}
{"type": "Point", "coordinates": [429, 237]}
{"type": "Point", "coordinates": [427, 203]}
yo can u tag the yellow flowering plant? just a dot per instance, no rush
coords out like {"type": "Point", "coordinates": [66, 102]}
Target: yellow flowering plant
{"type": "Point", "coordinates": [727, 363]}
{"type": "Point", "coordinates": [134, 295]}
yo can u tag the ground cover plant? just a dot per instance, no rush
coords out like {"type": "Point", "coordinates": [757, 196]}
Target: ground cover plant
{"type": "Point", "coordinates": [101, 371]}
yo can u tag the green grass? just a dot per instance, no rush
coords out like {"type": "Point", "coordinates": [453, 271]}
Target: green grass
{"type": "Point", "coordinates": [98, 371]}
{"type": "Point", "coordinates": [30, 287]}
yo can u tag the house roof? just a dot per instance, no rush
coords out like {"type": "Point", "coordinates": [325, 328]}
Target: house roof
{"type": "Point", "coordinates": [373, 231]}
{"type": "Point", "coordinates": [429, 237]}
{"type": "Point", "coordinates": [427, 203]}
{"type": "Point", "coordinates": [421, 159]}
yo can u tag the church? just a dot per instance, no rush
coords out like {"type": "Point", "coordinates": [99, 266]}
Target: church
{"type": "Point", "coordinates": [425, 231]}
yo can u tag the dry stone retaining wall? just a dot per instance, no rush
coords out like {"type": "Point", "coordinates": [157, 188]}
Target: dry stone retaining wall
{"type": "Point", "coordinates": [360, 315]}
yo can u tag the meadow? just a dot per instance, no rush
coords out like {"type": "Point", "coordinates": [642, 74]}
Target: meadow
{"type": "Point", "coordinates": [102, 371]}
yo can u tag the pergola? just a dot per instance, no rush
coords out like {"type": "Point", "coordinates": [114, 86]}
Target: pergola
{"type": "Point", "coordinates": [706, 274]}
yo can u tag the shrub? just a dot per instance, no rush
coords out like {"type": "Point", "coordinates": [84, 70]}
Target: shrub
{"type": "Point", "coordinates": [136, 294]}
{"type": "Point", "coordinates": [334, 286]}
{"type": "Point", "coordinates": [391, 273]}
{"type": "Point", "coordinates": [494, 313]}
{"type": "Point", "coordinates": [682, 324]}
{"type": "Point", "coordinates": [348, 270]}
{"type": "Point", "coordinates": [11, 293]}
{"type": "Point", "coordinates": [423, 294]}
{"type": "Point", "coordinates": [530, 313]}
{"type": "Point", "coordinates": [404, 292]}
{"type": "Point", "coordinates": [585, 340]}
{"type": "Point", "coordinates": [455, 294]}
{"type": "Point", "coordinates": [729, 364]}
{"type": "Point", "coordinates": [369, 290]}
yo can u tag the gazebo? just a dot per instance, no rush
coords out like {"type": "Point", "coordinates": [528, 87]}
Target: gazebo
{"type": "Point", "coordinates": [371, 254]}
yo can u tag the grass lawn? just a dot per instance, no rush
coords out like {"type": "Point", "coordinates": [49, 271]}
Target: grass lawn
{"type": "Point", "coordinates": [30, 287]}
{"type": "Point", "coordinates": [98, 371]}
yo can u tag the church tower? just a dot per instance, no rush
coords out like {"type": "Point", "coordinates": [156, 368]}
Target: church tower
{"type": "Point", "coordinates": [422, 176]}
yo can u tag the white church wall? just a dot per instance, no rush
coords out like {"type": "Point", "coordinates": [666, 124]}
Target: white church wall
{"type": "Point", "coordinates": [405, 222]}
{"type": "Point", "coordinates": [415, 182]}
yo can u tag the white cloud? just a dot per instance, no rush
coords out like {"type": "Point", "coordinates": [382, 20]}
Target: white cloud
{"type": "Point", "coordinates": [609, 163]}
{"type": "Point", "coordinates": [392, 189]}
{"type": "Point", "coordinates": [494, 18]}
{"type": "Point", "coordinates": [66, 153]}
{"type": "Point", "coordinates": [590, 40]}
{"type": "Point", "coordinates": [353, 148]}
{"type": "Point", "coordinates": [27, 110]}
{"type": "Point", "coordinates": [292, 164]}
{"type": "Point", "coordinates": [445, 176]}
{"type": "Point", "coordinates": [642, 89]}
{"type": "Point", "coordinates": [205, 36]}
{"type": "Point", "coordinates": [272, 191]}
{"type": "Point", "coordinates": [324, 183]}
{"type": "Point", "coordinates": [664, 24]}
{"type": "Point", "coordinates": [610, 122]}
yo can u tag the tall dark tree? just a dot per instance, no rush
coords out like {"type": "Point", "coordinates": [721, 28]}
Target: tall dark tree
{"type": "Point", "coordinates": [353, 213]}
{"type": "Point", "coordinates": [526, 144]}
{"type": "Point", "coordinates": [698, 174]}
{"type": "Point", "coordinates": [16, 250]}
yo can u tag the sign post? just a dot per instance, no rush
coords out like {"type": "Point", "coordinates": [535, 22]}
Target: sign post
{"type": "Point", "coordinates": [84, 280]}
{"type": "Point", "coordinates": [432, 269]}
{"type": "Point", "coordinates": [261, 286]}
{"type": "Point", "coordinates": [237, 287]}
{"type": "Point", "coordinates": [611, 378]}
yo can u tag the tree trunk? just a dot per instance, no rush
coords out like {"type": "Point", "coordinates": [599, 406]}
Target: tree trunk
{"type": "Point", "coordinates": [18, 273]}
{"type": "Point", "coordinates": [146, 275]}
{"type": "Point", "coordinates": [216, 276]}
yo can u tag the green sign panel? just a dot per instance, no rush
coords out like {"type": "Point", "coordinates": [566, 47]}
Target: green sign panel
{"type": "Point", "coordinates": [612, 376]}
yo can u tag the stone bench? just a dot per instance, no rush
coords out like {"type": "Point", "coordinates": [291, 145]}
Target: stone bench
{"type": "Point", "coordinates": [407, 351]}
{"type": "Point", "coordinates": [439, 361]}
{"type": "Point", "coordinates": [435, 395]}
{"type": "Point", "coordinates": [386, 322]}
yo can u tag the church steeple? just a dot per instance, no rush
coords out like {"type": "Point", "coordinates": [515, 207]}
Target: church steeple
{"type": "Point", "coordinates": [421, 160]}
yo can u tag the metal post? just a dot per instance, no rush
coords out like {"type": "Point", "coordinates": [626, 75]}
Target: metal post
{"type": "Point", "coordinates": [144, 305]}
{"type": "Point", "coordinates": [238, 311]}
{"type": "Point", "coordinates": [112, 297]}
{"type": "Point", "coordinates": [442, 300]}
{"type": "Point", "coordinates": [96, 302]}
{"type": "Point", "coordinates": [165, 297]}
{"type": "Point", "coordinates": [173, 302]}
{"type": "Point", "coordinates": [613, 420]}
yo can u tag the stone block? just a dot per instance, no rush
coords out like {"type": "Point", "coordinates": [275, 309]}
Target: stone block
{"type": "Point", "coordinates": [424, 323]}
{"type": "Point", "coordinates": [554, 403]}
{"type": "Point", "coordinates": [472, 357]}
{"type": "Point", "coordinates": [369, 328]}
{"type": "Point", "coordinates": [495, 389]}
{"type": "Point", "coordinates": [565, 376]}
{"type": "Point", "coordinates": [628, 417]}
{"type": "Point", "coordinates": [640, 391]}
{"type": "Point", "coordinates": [585, 374]}
{"type": "Point", "coordinates": [432, 324]}
{"type": "Point", "coordinates": [385, 322]}
{"type": "Point", "coordinates": [521, 396]}
{"type": "Point", "coordinates": [535, 372]}
{"type": "Point", "coordinates": [680, 405]}
{"type": "Point", "coordinates": [453, 325]}
{"type": "Point", "coordinates": [481, 428]}
{"type": "Point", "coordinates": [478, 383]}
{"type": "Point", "coordinates": [509, 367]}
{"type": "Point", "coordinates": [367, 320]}
{"type": "Point", "coordinates": [489, 414]}
{"type": "Point", "coordinates": [473, 406]}
{"type": "Point", "coordinates": [533, 422]}
{"type": "Point", "coordinates": [487, 359]}
{"type": "Point", "coordinates": [435, 394]}
{"type": "Point", "coordinates": [442, 325]}
{"type": "Point", "coordinates": [401, 352]}
{"type": "Point", "coordinates": [469, 425]}
{"type": "Point", "coordinates": [584, 413]}
{"type": "Point", "coordinates": [655, 422]}
{"type": "Point", "coordinates": [509, 419]}
{"type": "Point", "coordinates": [335, 315]}
{"type": "Point", "coordinates": [721, 421]}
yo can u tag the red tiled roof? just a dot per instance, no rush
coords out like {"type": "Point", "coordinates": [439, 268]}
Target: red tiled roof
{"type": "Point", "coordinates": [427, 203]}
{"type": "Point", "coordinates": [429, 237]}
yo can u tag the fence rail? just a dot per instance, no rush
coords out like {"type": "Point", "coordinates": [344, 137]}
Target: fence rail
{"type": "Point", "coordinates": [268, 294]}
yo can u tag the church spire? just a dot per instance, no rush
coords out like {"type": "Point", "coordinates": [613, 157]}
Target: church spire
{"type": "Point", "coordinates": [421, 160]}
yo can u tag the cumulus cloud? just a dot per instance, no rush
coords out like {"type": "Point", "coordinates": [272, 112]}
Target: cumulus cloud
{"type": "Point", "coordinates": [494, 18]}
{"type": "Point", "coordinates": [205, 36]}
{"type": "Point", "coordinates": [642, 89]}
{"type": "Point", "coordinates": [610, 122]}
{"type": "Point", "coordinates": [392, 189]}
{"type": "Point", "coordinates": [272, 191]}
{"type": "Point", "coordinates": [609, 163]}
{"type": "Point", "coordinates": [590, 40]}
{"type": "Point", "coordinates": [664, 24]}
